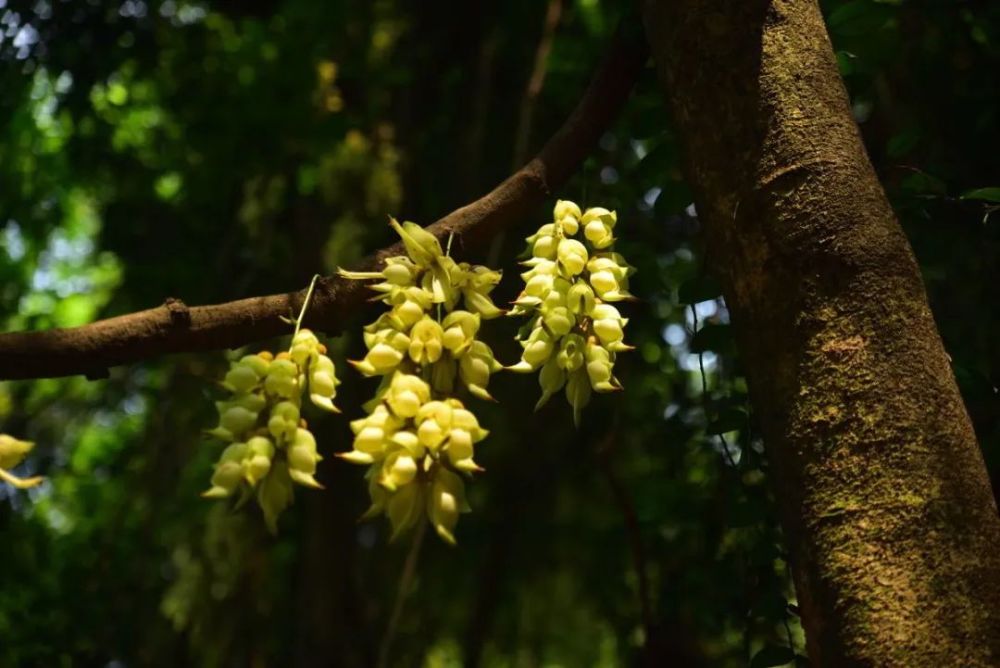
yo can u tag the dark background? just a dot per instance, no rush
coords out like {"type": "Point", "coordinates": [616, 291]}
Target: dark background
{"type": "Point", "coordinates": [215, 150]}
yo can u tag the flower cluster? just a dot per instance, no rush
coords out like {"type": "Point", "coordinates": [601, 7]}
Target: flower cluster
{"type": "Point", "coordinates": [270, 444]}
{"type": "Point", "coordinates": [415, 447]}
{"type": "Point", "coordinates": [417, 436]}
{"type": "Point", "coordinates": [12, 452]}
{"type": "Point", "coordinates": [574, 331]}
{"type": "Point", "coordinates": [412, 335]}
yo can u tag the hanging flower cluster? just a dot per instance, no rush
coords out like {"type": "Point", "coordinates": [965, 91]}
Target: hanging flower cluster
{"type": "Point", "coordinates": [415, 447]}
{"type": "Point", "coordinates": [574, 331]}
{"type": "Point", "coordinates": [418, 437]}
{"type": "Point", "coordinates": [270, 444]}
{"type": "Point", "coordinates": [419, 288]}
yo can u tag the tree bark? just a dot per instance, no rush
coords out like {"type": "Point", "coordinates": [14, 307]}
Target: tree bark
{"type": "Point", "coordinates": [891, 523]}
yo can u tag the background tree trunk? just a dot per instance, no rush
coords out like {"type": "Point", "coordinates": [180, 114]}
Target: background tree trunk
{"type": "Point", "coordinates": [891, 522]}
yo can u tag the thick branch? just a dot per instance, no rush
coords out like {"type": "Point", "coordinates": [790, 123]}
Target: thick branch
{"type": "Point", "coordinates": [175, 327]}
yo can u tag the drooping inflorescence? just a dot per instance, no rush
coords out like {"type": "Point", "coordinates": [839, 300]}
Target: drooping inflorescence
{"type": "Point", "coordinates": [270, 444]}
{"type": "Point", "coordinates": [574, 332]}
{"type": "Point", "coordinates": [418, 437]}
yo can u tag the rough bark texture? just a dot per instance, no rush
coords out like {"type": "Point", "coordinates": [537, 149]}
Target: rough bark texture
{"type": "Point", "coordinates": [894, 534]}
{"type": "Point", "coordinates": [175, 327]}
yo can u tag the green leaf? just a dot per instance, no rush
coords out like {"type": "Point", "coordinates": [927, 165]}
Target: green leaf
{"type": "Point", "coordinates": [984, 194]}
{"type": "Point", "coordinates": [772, 655]}
{"type": "Point", "coordinates": [845, 62]}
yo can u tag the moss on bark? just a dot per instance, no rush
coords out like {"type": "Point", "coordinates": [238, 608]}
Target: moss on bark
{"type": "Point", "coordinates": [892, 525]}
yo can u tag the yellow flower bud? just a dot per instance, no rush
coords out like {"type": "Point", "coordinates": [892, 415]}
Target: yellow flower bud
{"type": "Point", "coordinates": [255, 468]}
{"type": "Point", "coordinates": [237, 420]}
{"type": "Point", "coordinates": [544, 247]}
{"type": "Point", "coordinates": [399, 271]}
{"type": "Point", "coordinates": [274, 494]}
{"type": "Point", "coordinates": [570, 356]}
{"type": "Point", "coordinates": [559, 321]}
{"type": "Point", "coordinates": [465, 419]}
{"type": "Point", "coordinates": [610, 218]}
{"type": "Point", "coordinates": [13, 451]}
{"type": "Point", "coordinates": [537, 348]}
{"type": "Point", "coordinates": [598, 234]}
{"type": "Point", "coordinates": [323, 383]}
{"type": "Point", "coordinates": [482, 279]}
{"type": "Point", "coordinates": [459, 445]}
{"type": "Point", "coordinates": [608, 325]}
{"type": "Point", "coordinates": [475, 367]}
{"type": "Point", "coordinates": [253, 402]}
{"type": "Point", "coordinates": [572, 256]}
{"type": "Point", "coordinates": [260, 445]}
{"type": "Point", "coordinates": [398, 470]}
{"type": "Point", "coordinates": [370, 440]}
{"type": "Point", "coordinates": [380, 360]}
{"type": "Point", "coordinates": [538, 286]}
{"type": "Point", "coordinates": [460, 328]}
{"type": "Point", "coordinates": [355, 457]}
{"type": "Point", "coordinates": [556, 297]}
{"type": "Point", "coordinates": [387, 329]}
{"type": "Point", "coordinates": [578, 393]}
{"type": "Point", "coordinates": [599, 368]}
{"type": "Point", "coordinates": [305, 347]}
{"type": "Point", "coordinates": [564, 208]}
{"type": "Point", "coordinates": [604, 282]}
{"type": "Point", "coordinates": [426, 342]}
{"type": "Point", "coordinates": [404, 509]}
{"type": "Point", "coordinates": [422, 246]}
{"type": "Point", "coordinates": [225, 480]}
{"type": "Point", "coordinates": [445, 501]}
{"type": "Point", "coordinates": [282, 379]}
{"type": "Point", "coordinates": [407, 394]}
{"type": "Point", "coordinates": [302, 459]}
{"type": "Point", "coordinates": [228, 472]}
{"type": "Point", "coordinates": [241, 378]}
{"type": "Point", "coordinates": [283, 421]}
{"type": "Point", "coordinates": [410, 442]}
{"type": "Point", "coordinates": [478, 302]}
{"type": "Point", "coordinates": [580, 299]}
{"type": "Point", "coordinates": [259, 362]}
{"type": "Point", "coordinates": [552, 378]}
{"type": "Point", "coordinates": [569, 225]}
{"type": "Point", "coordinates": [441, 281]}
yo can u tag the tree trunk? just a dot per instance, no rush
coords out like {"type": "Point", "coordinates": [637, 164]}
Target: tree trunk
{"type": "Point", "coordinates": [891, 523]}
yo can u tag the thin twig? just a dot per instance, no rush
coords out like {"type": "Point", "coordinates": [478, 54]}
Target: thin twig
{"type": "Point", "coordinates": [305, 305]}
{"type": "Point", "coordinates": [405, 584]}
{"type": "Point", "coordinates": [705, 399]}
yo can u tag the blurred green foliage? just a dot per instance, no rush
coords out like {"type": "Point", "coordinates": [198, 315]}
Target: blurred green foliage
{"type": "Point", "coordinates": [219, 149]}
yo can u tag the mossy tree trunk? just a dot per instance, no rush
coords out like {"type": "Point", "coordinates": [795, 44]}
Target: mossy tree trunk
{"type": "Point", "coordinates": [892, 526]}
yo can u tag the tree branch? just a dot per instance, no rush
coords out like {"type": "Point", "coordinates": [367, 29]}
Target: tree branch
{"type": "Point", "coordinates": [174, 327]}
